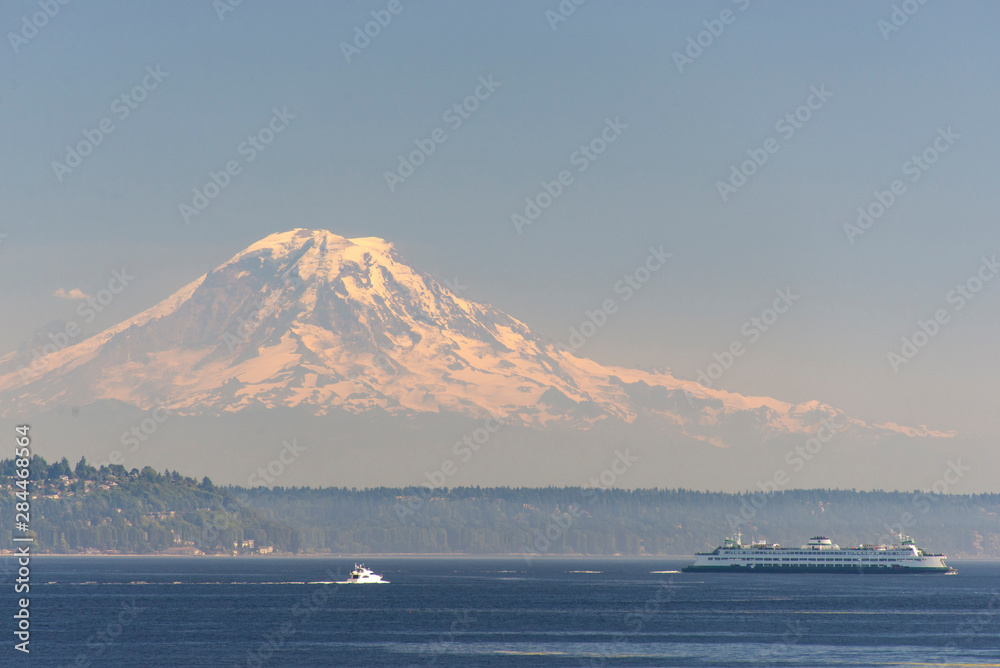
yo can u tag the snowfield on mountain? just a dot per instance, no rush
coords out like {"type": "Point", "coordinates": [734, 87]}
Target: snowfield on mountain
{"type": "Point", "coordinates": [311, 321]}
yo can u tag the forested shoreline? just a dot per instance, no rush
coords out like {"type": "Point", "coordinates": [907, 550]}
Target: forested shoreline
{"type": "Point", "coordinates": [82, 509]}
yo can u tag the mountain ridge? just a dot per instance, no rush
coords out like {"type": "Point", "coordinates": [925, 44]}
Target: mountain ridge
{"type": "Point", "coordinates": [307, 317]}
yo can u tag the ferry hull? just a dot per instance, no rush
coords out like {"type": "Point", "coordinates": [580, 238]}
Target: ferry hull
{"type": "Point", "coordinates": [841, 570]}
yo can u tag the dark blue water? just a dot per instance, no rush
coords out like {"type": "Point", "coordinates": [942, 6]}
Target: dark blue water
{"type": "Point", "coordinates": [496, 612]}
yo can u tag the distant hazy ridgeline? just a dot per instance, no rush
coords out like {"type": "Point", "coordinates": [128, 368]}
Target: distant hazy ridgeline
{"type": "Point", "coordinates": [78, 509]}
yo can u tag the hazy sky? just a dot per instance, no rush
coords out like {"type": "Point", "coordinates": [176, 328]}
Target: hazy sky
{"type": "Point", "coordinates": [884, 97]}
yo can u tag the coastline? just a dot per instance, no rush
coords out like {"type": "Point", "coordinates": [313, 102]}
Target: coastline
{"type": "Point", "coordinates": [406, 555]}
{"type": "Point", "coordinates": [380, 555]}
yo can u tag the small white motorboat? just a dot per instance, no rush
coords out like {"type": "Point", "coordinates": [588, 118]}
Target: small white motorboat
{"type": "Point", "coordinates": [362, 575]}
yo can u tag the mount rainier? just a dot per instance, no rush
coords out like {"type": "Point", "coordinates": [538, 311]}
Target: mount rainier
{"type": "Point", "coordinates": [341, 341]}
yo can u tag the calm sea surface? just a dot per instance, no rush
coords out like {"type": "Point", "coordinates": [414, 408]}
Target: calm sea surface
{"type": "Point", "coordinates": [166, 611]}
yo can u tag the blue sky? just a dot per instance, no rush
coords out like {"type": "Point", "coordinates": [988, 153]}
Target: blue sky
{"type": "Point", "coordinates": [656, 184]}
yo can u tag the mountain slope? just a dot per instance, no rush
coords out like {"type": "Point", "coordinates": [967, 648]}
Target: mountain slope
{"type": "Point", "coordinates": [310, 320]}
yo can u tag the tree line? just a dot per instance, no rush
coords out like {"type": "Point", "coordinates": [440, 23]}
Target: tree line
{"type": "Point", "coordinates": [110, 509]}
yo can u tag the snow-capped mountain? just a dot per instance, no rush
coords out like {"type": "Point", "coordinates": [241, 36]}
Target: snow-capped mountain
{"type": "Point", "coordinates": [310, 320]}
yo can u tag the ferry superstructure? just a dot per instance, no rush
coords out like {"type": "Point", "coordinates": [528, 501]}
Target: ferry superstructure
{"type": "Point", "coordinates": [819, 555]}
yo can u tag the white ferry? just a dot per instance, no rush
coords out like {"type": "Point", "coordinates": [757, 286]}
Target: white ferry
{"type": "Point", "coordinates": [819, 555]}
